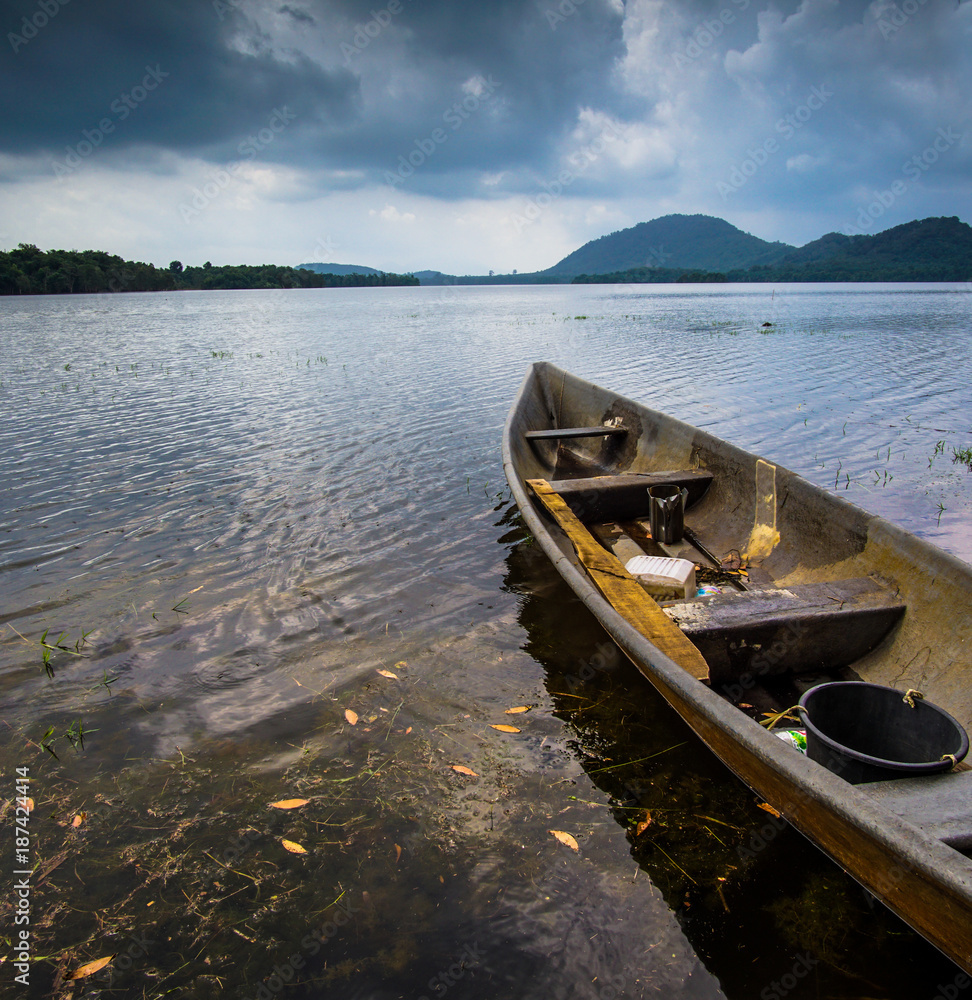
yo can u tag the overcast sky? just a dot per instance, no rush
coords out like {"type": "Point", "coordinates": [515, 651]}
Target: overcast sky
{"type": "Point", "coordinates": [413, 134]}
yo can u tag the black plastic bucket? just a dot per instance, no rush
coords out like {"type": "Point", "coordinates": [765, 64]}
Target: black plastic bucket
{"type": "Point", "coordinates": [867, 732]}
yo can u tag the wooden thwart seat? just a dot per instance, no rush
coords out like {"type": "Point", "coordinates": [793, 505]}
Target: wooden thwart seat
{"type": "Point", "coordinates": [791, 629]}
{"type": "Point", "coordinates": [625, 497]}
{"type": "Point", "coordinates": [554, 433]}
{"type": "Point", "coordinates": [621, 590]}
{"type": "Point", "coordinates": [941, 805]}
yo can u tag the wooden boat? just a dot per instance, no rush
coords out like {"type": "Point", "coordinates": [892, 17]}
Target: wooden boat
{"type": "Point", "coordinates": [823, 590]}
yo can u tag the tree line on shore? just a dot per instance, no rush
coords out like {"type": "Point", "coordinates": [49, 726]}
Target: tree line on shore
{"type": "Point", "coordinates": [29, 270]}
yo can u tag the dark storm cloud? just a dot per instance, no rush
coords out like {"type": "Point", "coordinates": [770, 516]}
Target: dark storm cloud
{"type": "Point", "coordinates": [540, 71]}
{"type": "Point", "coordinates": [363, 82]}
{"type": "Point", "coordinates": [200, 81]}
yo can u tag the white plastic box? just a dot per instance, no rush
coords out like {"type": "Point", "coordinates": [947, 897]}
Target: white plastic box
{"type": "Point", "coordinates": [666, 579]}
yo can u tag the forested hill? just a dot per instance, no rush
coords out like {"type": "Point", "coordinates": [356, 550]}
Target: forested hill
{"type": "Point", "coordinates": [936, 249]}
{"type": "Point", "coordinates": [673, 241]}
{"type": "Point", "coordinates": [31, 271]}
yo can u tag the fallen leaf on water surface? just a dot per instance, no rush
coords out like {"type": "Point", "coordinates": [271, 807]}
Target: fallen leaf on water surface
{"type": "Point", "coordinates": [407, 731]}
{"type": "Point", "coordinates": [388, 673]}
{"type": "Point", "coordinates": [352, 717]}
{"type": "Point", "coordinates": [78, 820]}
{"type": "Point", "coordinates": [506, 729]}
{"type": "Point", "coordinates": [744, 704]}
{"type": "Point", "coordinates": [517, 710]}
{"type": "Point", "coordinates": [289, 803]}
{"type": "Point", "coordinates": [643, 825]}
{"type": "Point", "coordinates": [289, 845]}
{"type": "Point", "coordinates": [766, 807]}
{"type": "Point", "coordinates": [401, 663]}
{"type": "Point", "coordinates": [91, 968]}
{"type": "Point", "coordinates": [566, 839]}
{"type": "Point", "coordinates": [398, 853]}
{"type": "Point", "coordinates": [462, 769]}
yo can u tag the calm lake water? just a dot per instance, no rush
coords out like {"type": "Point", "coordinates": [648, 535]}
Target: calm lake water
{"type": "Point", "coordinates": [271, 531]}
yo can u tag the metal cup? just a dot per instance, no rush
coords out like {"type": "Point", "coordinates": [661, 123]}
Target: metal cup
{"type": "Point", "coordinates": [666, 513]}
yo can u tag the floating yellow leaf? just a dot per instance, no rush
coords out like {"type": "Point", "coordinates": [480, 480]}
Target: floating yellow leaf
{"type": "Point", "coordinates": [398, 853]}
{"type": "Point", "coordinates": [401, 663]}
{"type": "Point", "coordinates": [388, 673]}
{"type": "Point", "coordinates": [289, 803]}
{"type": "Point", "coordinates": [505, 729]}
{"type": "Point", "coordinates": [461, 769]}
{"type": "Point", "coordinates": [766, 807]}
{"type": "Point", "coordinates": [407, 731]}
{"type": "Point", "coordinates": [78, 820]}
{"type": "Point", "coordinates": [352, 717]}
{"type": "Point", "coordinates": [517, 710]}
{"type": "Point", "coordinates": [91, 968]}
{"type": "Point", "coordinates": [289, 845]}
{"type": "Point", "coordinates": [566, 839]}
{"type": "Point", "coordinates": [643, 825]}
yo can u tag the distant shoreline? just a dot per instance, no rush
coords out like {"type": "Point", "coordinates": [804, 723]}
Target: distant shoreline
{"type": "Point", "coordinates": [31, 271]}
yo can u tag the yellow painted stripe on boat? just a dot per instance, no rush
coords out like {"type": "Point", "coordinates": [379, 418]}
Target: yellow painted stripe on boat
{"type": "Point", "coordinates": [620, 588]}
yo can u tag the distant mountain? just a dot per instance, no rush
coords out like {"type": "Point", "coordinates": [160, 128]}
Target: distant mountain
{"type": "Point", "coordinates": [691, 242]}
{"type": "Point", "coordinates": [936, 249]}
{"type": "Point", "coordinates": [338, 268]}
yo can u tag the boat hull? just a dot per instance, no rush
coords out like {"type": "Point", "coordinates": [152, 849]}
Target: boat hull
{"type": "Point", "coordinates": [927, 883]}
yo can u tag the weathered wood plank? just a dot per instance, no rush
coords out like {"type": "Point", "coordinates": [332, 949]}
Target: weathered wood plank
{"type": "Point", "coordinates": [819, 626]}
{"type": "Point", "coordinates": [622, 591]}
{"type": "Point", "coordinates": [554, 433]}
{"type": "Point", "coordinates": [941, 805]}
{"type": "Point", "coordinates": [625, 497]}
